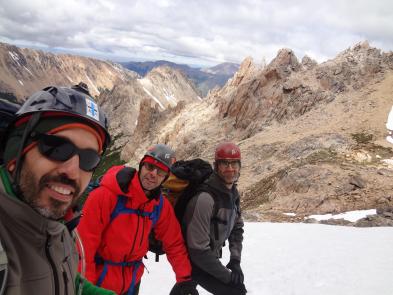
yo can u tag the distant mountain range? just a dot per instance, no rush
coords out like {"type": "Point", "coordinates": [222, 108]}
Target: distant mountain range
{"type": "Point", "coordinates": [203, 78]}
{"type": "Point", "coordinates": [23, 71]}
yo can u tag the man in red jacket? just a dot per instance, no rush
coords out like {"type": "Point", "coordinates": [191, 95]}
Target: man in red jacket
{"type": "Point", "coordinates": [118, 217]}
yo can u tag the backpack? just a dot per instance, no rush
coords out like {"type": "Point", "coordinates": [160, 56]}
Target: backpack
{"type": "Point", "coordinates": [183, 183]}
{"type": "Point", "coordinates": [7, 115]}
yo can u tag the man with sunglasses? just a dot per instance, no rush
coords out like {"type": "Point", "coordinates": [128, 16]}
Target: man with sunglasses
{"type": "Point", "coordinates": [212, 217]}
{"type": "Point", "coordinates": [118, 218]}
{"type": "Point", "coordinates": [50, 151]}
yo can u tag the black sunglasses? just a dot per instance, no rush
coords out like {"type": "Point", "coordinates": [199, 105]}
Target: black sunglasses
{"type": "Point", "coordinates": [61, 149]}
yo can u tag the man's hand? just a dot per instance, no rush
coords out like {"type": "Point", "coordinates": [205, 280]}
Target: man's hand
{"type": "Point", "coordinates": [184, 288]}
{"type": "Point", "coordinates": [237, 276]}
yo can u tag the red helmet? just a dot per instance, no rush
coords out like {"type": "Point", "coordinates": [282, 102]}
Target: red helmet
{"type": "Point", "coordinates": [227, 150]}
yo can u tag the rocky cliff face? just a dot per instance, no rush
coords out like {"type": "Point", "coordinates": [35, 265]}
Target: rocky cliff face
{"type": "Point", "coordinates": [24, 71]}
{"type": "Point", "coordinates": [167, 86]}
{"type": "Point", "coordinates": [286, 88]}
{"type": "Point", "coordinates": [311, 135]}
{"type": "Point", "coordinates": [119, 91]}
{"type": "Point", "coordinates": [133, 104]}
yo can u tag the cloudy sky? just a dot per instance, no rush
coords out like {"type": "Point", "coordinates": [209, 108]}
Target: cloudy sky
{"type": "Point", "coordinates": [203, 32]}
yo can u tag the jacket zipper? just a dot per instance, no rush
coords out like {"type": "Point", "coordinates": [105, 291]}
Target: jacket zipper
{"type": "Point", "coordinates": [52, 264]}
{"type": "Point", "coordinates": [143, 226]}
{"type": "Point", "coordinates": [132, 249]}
{"type": "Point", "coordinates": [136, 235]}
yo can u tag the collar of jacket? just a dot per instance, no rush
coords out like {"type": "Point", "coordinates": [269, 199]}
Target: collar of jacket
{"type": "Point", "coordinates": [25, 217]}
{"type": "Point", "coordinates": [5, 184]}
{"type": "Point", "coordinates": [135, 190]}
{"type": "Point", "coordinates": [217, 183]}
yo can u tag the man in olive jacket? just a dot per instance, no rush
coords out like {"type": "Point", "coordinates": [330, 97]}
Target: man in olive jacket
{"type": "Point", "coordinates": [212, 217]}
{"type": "Point", "coordinates": [51, 150]}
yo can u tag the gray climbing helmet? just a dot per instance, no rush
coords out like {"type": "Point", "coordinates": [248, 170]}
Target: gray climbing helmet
{"type": "Point", "coordinates": [74, 101]}
{"type": "Point", "coordinates": [162, 153]}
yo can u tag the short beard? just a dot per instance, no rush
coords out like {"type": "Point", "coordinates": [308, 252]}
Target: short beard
{"type": "Point", "coordinates": [31, 188]}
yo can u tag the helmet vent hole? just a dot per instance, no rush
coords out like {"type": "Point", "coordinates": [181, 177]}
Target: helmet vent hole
{"type": "Point", "coordinates": [42, 101]}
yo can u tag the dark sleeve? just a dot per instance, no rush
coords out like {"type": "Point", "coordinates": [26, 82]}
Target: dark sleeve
{"type": "Point", "coordinates": [236, 238]}
{"type": "Point", "coordinates": [198, 221]}
{"type": "Point", "coordinates": [169, 232]}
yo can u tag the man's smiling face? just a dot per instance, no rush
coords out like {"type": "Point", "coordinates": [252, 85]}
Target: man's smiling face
{"type": "Point", "coordinates": [52, 187]}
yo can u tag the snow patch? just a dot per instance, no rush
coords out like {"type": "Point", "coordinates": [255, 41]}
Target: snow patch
{"type": "Point", "coordinates": [351, 216]}
{"type": "Point", "coordinates": [69, 79]}
{"type": "Point", "coordinates": [14, 56]}
{"type": "Point", "coordinates": [92, 84]}
{"type": "Point", "coordinates": [301, 259]}
{"type": "Point", "coordinates": [170, 97]}
{"type": "Point", "coordinates": [28, 71]}
{"type": "Point", "coordinates": [21, 83]}
{"type": "Point", "coordinates": [290, 214]}
{"type": "Point", "coordinates": [153, 97]}
{"type": "Point", "coordinates": [118, 70]}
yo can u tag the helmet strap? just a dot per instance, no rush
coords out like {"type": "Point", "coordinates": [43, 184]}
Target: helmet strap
{"type": "Point", "coordinates": [31, 124]}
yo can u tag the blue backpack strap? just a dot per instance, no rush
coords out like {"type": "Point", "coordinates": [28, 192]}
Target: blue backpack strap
{"type": "Point", "coordinates": [119, 208]}
{"type": "Point", "coordinates": [155, 215]}
{"type": "Point", "coordinates": [135, 264]}
{"type": "Point", "coordinates": [131, 289]}
{"type": "Point", "coordinates": [98, 260]}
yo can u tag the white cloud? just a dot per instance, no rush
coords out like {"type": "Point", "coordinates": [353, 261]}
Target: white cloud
{"type": "Point", "coordinates": [198, 31]}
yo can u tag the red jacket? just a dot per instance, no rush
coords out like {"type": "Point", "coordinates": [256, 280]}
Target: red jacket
{"type": "Point", "coordinates": [125, 238]}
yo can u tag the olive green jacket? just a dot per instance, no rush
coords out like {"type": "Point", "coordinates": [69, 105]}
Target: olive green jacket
{"type": "Point", "coordinates": [41, 253]}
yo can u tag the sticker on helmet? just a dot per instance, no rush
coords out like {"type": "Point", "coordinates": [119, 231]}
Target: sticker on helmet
{"type": "Point", "coordinates": [92, 109]}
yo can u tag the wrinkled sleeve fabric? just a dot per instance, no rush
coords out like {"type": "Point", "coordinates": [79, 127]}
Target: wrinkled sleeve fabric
{"type": "Point", "coordinates": [96, 214]}
{"type": "Point", "coordinates": [169, 232]}
{"type": "Point", "coordinates": [198, 221]}
{"type": "Point", "coordinates": [236, 238]}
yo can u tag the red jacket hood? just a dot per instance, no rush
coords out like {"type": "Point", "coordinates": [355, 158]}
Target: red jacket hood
{"type": "Point", "coordinates": [135, 190]}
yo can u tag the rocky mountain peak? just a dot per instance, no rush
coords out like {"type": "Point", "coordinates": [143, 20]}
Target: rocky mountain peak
{"type": "Point", "coordinates": [24, 71]}
{"type": "Point", "coordinates": [282, 65]}
{"type": "Point", "coordinates": [308, 63]}
{"type": "Point", "coordinates": [311, 135]}
{"type": "Point", "coordinates": [247, 69]}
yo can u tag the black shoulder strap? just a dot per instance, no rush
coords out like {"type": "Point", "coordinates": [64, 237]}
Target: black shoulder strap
{"type": "Point", "coordinates": [124, 177]}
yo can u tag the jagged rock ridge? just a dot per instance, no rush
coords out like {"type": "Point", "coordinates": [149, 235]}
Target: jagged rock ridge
{"type": "Point", "coordinates": [312, 135]}
{"type": "Point", "coordinates": [24, 71]}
